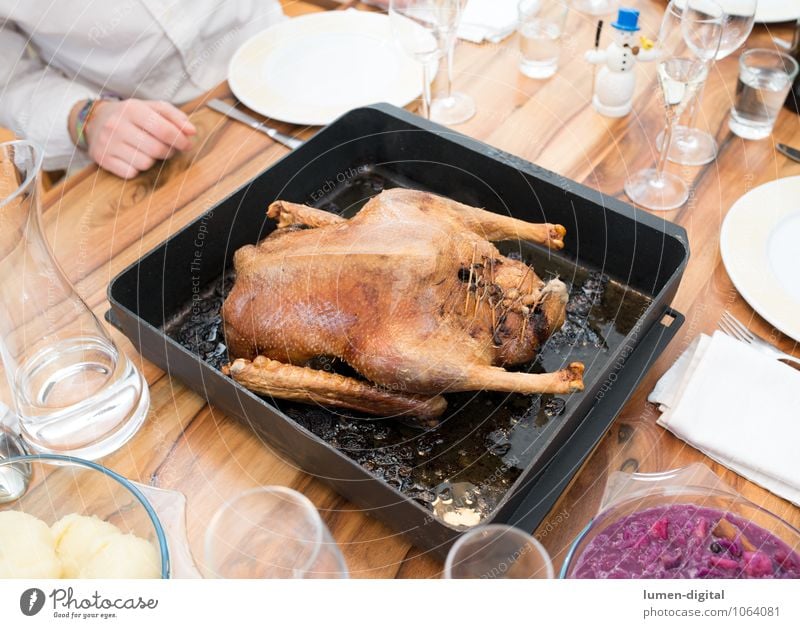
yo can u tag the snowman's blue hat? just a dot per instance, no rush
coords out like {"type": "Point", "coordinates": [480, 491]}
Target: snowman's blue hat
{"type": "Point", "coordinates": [627, 20]}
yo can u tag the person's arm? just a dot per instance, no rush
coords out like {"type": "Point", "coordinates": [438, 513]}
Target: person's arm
{"type": "Point", "coordinates": [35, 100]}
{"type": "Point", "coordinates": [124, 137]}
{"type": "Point", "coordinates": [127, 136]}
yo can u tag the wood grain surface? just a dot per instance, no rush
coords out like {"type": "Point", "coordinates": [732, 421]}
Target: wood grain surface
{"type": "Point", "coordinates": [98, 224]}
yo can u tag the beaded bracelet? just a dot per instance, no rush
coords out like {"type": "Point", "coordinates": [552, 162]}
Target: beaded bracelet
{"type": "Point", "coordinates": [84, 115]}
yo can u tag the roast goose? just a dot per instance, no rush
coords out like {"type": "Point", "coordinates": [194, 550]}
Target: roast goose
{"type": "Point", "coordinates": [410, 292]}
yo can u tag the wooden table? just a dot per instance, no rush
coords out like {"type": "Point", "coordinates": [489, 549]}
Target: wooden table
{"type": "Point", "coordinates": [99, 224]}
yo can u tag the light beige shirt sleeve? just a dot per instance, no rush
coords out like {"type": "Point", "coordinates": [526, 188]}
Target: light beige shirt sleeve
{"type": "Point", "coordinates": [35, 100]}
{"type": "Point", "coordinates": [53, 54]}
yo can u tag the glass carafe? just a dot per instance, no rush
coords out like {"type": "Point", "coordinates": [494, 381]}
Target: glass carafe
{"type": "Point", "coordinates": [74, 392]}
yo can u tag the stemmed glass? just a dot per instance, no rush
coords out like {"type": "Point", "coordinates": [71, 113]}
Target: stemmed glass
{"type": "Point", "coordinates": [271, 532]}
{"type": "Point", "coordinates": [595, 7]}
{"type": "Point", "coordinates": [681, 72]}
{"type": "Point", "coordinates": [691, 146]}
{"type": "Point", "coordinates": [452, 107]}
{"type": "Point", "coordinates": [497, 552]}
{"type": "Point", "coordinates": [424, 29]}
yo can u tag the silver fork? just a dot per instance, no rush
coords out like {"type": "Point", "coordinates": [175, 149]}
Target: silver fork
{"type": "Point", "coordinates": [737, 330]}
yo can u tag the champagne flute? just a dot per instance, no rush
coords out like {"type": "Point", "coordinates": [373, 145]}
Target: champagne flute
{"type": "Point", "coordinates": [691, 146]}
{"type": "Point", "coordinates": [422, 28]}
{"type": "Point", "coordinates": [680, 72]}
{"type": "Point", "coordinates": [452, 107]}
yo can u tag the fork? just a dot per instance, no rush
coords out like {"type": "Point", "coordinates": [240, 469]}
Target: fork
{"type": "Point", "coordinates": [734, 328]}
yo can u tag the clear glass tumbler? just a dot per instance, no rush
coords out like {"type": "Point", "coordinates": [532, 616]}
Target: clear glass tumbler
{"type": "Point", "coordinates": [496, 552]}
{"type": "Point", "coordinates": [541, 26]}
{"type": "Point", "coordinates": [271, 532]}
{"type": "Point", "coordinates": [765, 77]}
{"type": "Point", "coordinates": [74, 391]}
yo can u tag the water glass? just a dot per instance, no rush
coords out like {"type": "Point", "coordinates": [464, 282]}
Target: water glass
{"type": "Point", "coordinates": [765, 77]}
{"type": "Point", "coordinates": [541, 26]}
{"type": "Point", "coordinates": [271, 532]}
{"type": "Point", "coordinates": [595, 7]}
{"type": "Point", "coordinates": [74, 392]}
{"type": "Point", "coordinates": [497, 552]}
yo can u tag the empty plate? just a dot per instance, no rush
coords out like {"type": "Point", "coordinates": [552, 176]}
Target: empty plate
{"type": "Point", "coordinates": [770, 11]}
{"type": "Point", "coordinates": [759, 241]}
{"type": "Point", "coordinates": [311, 69]}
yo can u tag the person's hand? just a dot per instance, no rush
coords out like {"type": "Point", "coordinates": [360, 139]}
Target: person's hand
{"type": "Point", "coordinates": [126, 137]}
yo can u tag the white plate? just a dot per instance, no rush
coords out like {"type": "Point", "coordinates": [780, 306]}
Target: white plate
{"type": "Point", "coordinates": [760, 243]}
{"type": "Point", "coordinates": [311, 69]}
{"type": "Point", "coordinates": [770, 11]}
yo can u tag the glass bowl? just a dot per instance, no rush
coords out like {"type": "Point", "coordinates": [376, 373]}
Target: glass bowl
{"type": "Point", "coordinates": [742, 511]}
{"type": "Point", "coordinates": [63, 485]}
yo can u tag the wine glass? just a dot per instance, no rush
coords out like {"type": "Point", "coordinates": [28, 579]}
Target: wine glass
{"type": "Point", "coordinates": [595, 7]}
{"type": "Point", "coordinates": [691, 146]}
{"type": "Point", "coordinates": [452, 107]}
{"type": "Point", "coordinates": [271, 532]}
{"type": "Point", "coordinates": [680, 72]}
{"type": "Point", "coordinates": [497, 552]}
{"type": "Point", "coordinates": [422, 27]}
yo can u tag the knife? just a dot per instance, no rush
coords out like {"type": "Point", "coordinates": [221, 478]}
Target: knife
{"type": "Point", "coordinates": [791, 153]}
{"type": "Point", "coordinates": [232, 112]}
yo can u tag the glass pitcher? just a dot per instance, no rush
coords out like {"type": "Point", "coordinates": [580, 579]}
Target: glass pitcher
{"type": "Point", "coordinates": [74, 392]}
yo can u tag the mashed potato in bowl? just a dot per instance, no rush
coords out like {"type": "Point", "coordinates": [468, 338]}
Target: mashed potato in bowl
{"type": "Point", "coordinates": [76, 546]}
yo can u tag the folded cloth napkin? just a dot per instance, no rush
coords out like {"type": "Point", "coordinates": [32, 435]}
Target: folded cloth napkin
{"type": "Point", "coordinates": [491, 20]}
{"type": "Point", "coordinates": [739, 407]}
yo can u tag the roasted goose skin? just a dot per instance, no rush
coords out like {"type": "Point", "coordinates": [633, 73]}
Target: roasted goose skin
{"type": "Point", "coordinates": [410, 292]}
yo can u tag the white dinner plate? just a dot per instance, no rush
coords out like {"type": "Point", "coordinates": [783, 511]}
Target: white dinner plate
{"type": "Point", "coordinates": [760, 242]}
{"type": "Point", "coordinates": [770, 11]}
{"type": "Point", "coordinates": [311, 69]}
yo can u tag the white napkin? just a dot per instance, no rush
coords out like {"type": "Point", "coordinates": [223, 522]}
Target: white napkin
{"type": "Point", "coordinates": [491, 20]}
{"type": "Point", "coordinates": [739, 407]}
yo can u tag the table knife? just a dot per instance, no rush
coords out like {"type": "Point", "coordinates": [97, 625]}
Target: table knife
{"type": "Point", "coordinates": [232, 112]}
{"type": "Point", "coordinates": [791, 153]}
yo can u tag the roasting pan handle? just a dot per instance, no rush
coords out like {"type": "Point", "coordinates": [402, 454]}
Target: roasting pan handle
{"type": "Point", "coordinates": [544, 489]}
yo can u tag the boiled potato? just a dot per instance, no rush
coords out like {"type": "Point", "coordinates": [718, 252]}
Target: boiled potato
{"type": "Point", "coordinates": [123, 556]}
{"type": "Point", "coordinates": [27, 547]}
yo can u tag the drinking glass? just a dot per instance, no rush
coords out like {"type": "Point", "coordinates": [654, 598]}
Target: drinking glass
{"type": "Point", "coordinates": [595, 7]}
{"type": "Point", "coordinates": [423, 29]}
{"type": "Point", "coordinates": [496, 552]}
{"type": "Point", "coordinates": [452, 107]}
{"type": "Point", "coordinates": [541, 25]}
{"type": "Point", "coordinates": [271, 532]}
{"type": "Point", "coordinates": [765, 77]}
{"type": "Point", "coordinates": [691, 146]}
{"type": "Point", "coordinates": [680, 74]}
{"type": "Point", "coordinates": [74, 392]}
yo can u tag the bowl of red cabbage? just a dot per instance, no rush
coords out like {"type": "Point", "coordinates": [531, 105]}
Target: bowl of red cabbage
{"type": "Point", "coordinates": [690, 532]}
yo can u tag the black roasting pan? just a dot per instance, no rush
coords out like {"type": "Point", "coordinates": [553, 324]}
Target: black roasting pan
{"type": "Point", "coordinates": [382, 145]}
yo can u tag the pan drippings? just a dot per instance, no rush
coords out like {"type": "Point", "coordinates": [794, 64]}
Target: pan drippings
{"type": "Point", "coordinates": [463, 467]}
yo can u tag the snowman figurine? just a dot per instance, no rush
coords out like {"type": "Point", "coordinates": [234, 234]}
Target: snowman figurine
{"type": "Point", "coordinates": [616, 79]}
